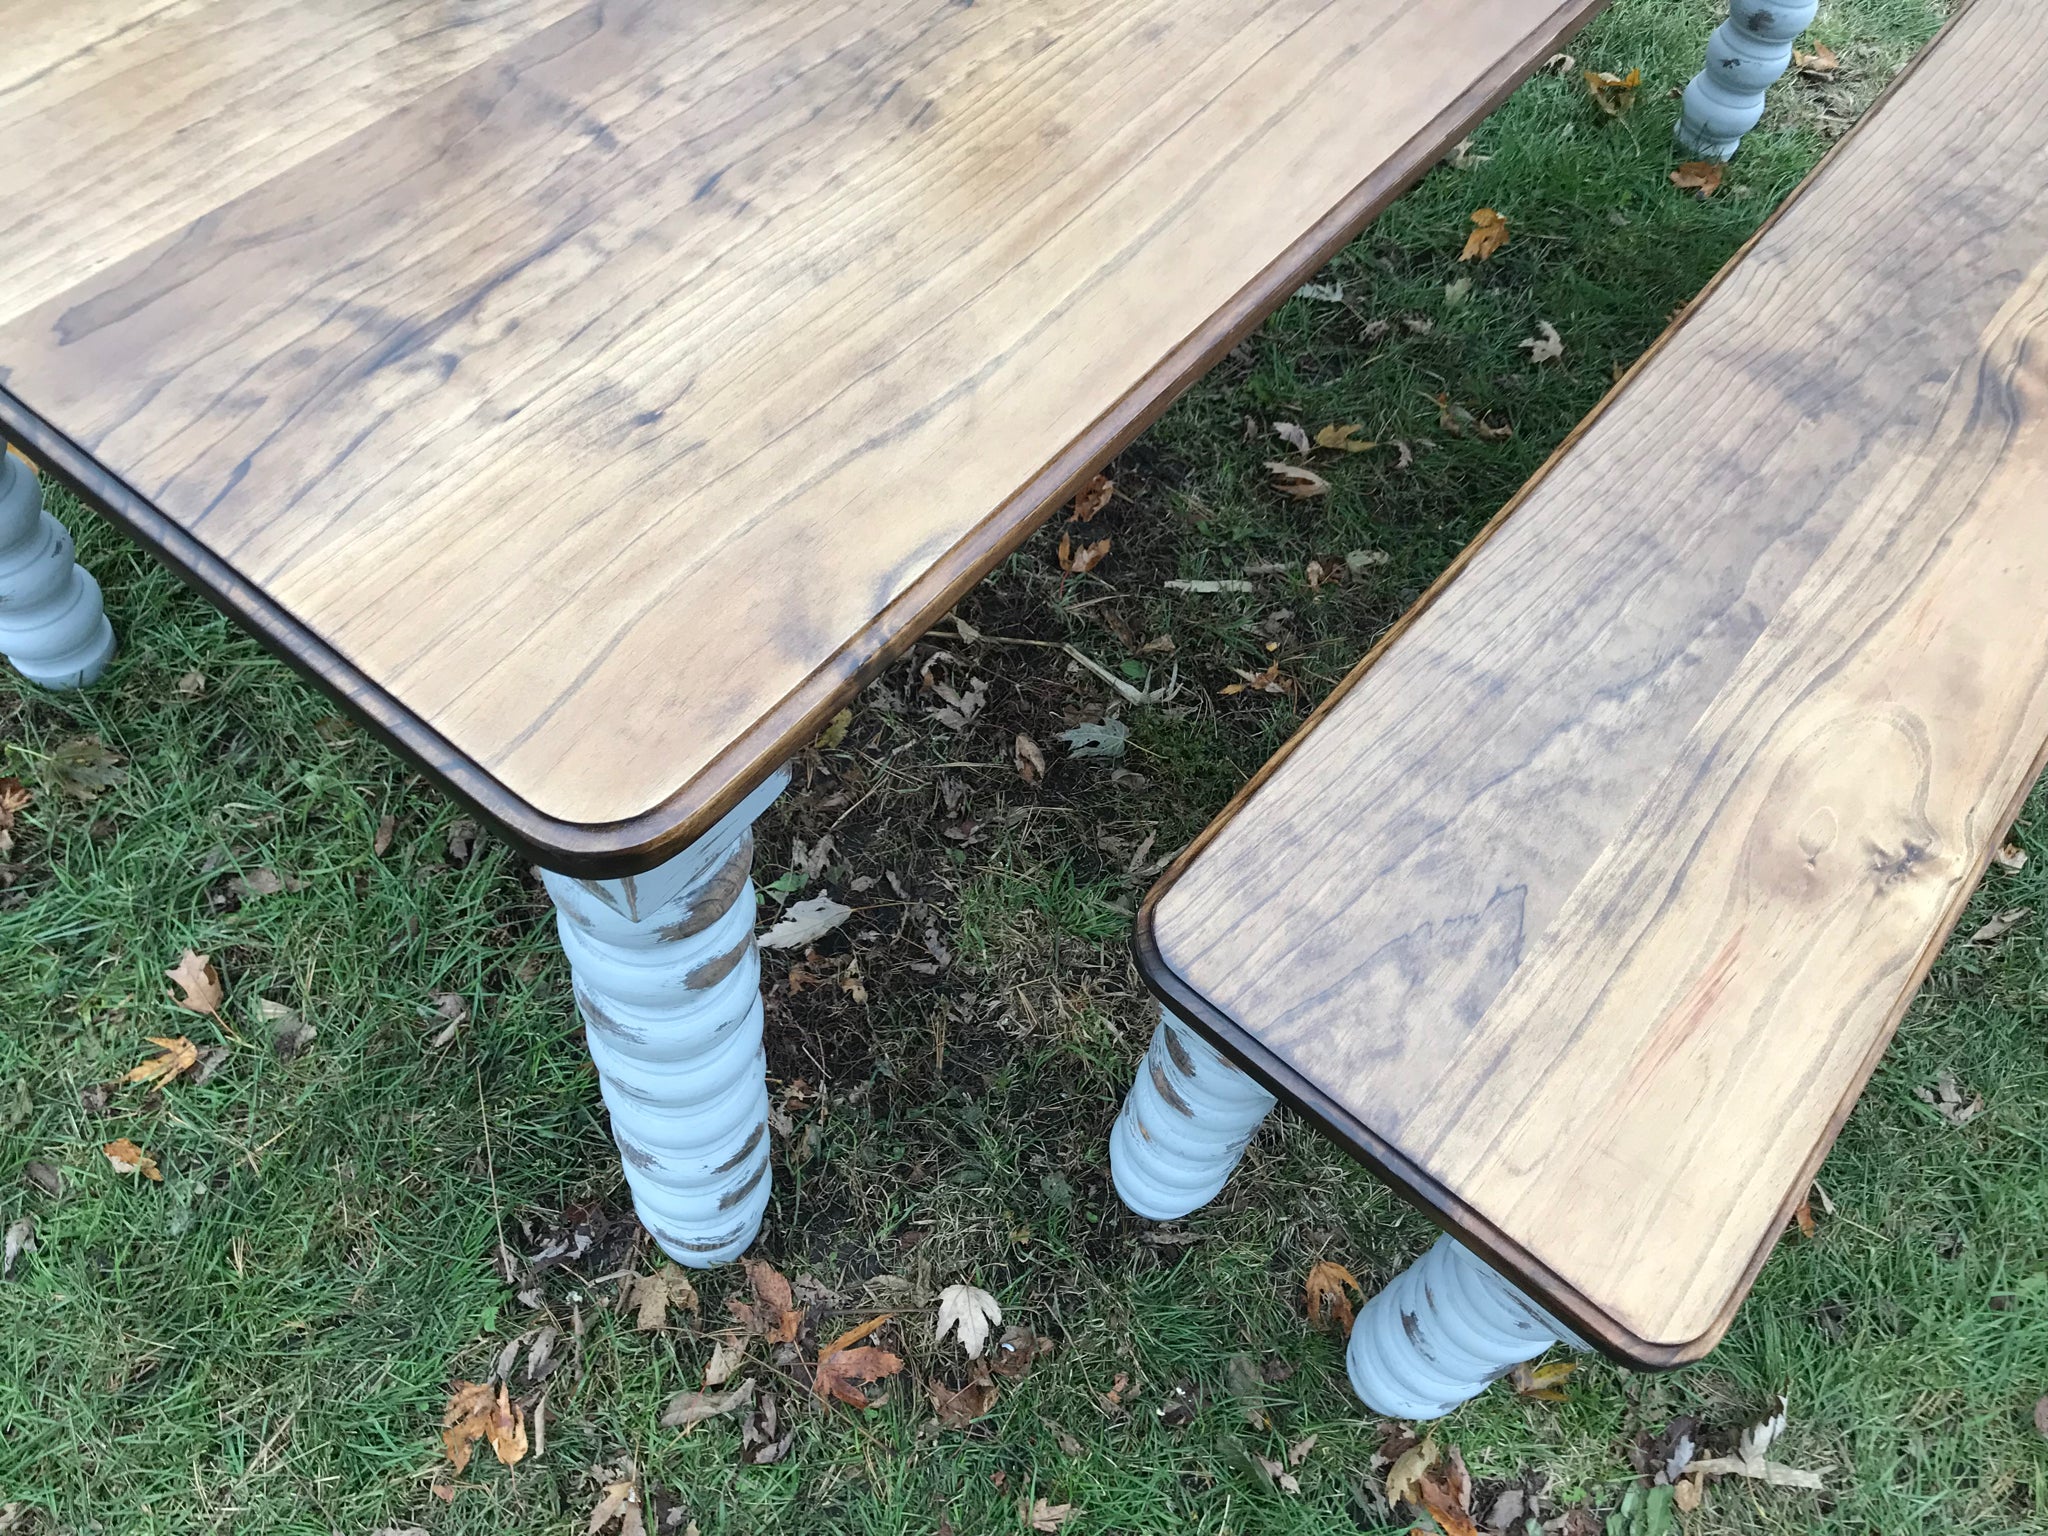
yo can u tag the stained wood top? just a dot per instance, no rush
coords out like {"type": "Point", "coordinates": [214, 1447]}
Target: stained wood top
{"type": "Point", "coordinates": [595, 394]}
{"type": "Point", "coordinates": [1588, 904]}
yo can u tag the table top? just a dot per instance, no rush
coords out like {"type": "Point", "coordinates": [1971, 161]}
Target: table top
{"type": "Point", "coordinates": [1587, 906]}
{"type": "Point", "coordinates": [592, 395]}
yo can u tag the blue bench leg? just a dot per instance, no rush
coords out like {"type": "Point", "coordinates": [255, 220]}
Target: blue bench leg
{"type": "Point", "coordinates": [1444, 1328]}
{"type": "Point", "coordinates": [53, 626]}
{"type": "Point", "coordinates": [1747, 52]}
{"type": "Point", "coordinates": [1185, 1124]}
{"type": "Point", "coordinates": [668, 981]}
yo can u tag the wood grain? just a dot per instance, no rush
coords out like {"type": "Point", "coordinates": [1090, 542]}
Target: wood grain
{"type": "Point", "coordinates": [1589, 904]}
{"type": "Point", "coordinates": [598, 417]}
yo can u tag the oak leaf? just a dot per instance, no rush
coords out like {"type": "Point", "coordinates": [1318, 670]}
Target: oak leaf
{"type": "Point", "coordinates": [198, 981]}
{"type": "Point", "coordinates": [129, 1158]}
{"type": "Point", "coordinates": [1325, 1294]}
{"type": "Point", "coordinates": [175, 1056]}
{"type": "Point", "coordinates": [1489, 234]}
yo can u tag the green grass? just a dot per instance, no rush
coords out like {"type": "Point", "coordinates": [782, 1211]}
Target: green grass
{"type": "Point", "coordinates": [263, 1342]}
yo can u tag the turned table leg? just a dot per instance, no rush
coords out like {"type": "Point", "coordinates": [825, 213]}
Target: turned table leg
{"type": "Point", "coordinates": [53, 627]}
{"type": "Point", "coordinates": [1748, 51]}
{"type": "Point", "coordinates": [1185, 1124]}
{"type": "Point", "coordinates": [1444, 1328]}
{"type": "Point", "coordinates": [668, 981]}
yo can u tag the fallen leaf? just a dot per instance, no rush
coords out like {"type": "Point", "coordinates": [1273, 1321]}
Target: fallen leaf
{"type": "Point", "coordinates": [1489, 234]}
{"type": "Point", "coordinates": [1291, 433]}
{"type": "Point", "coordinates": [1017, 1351]}
{"type": "Point", "coordinates": [1324, 1292]}
{"type": "Point", "coordinates": [1208, 586]}
{"type": "Point", "coordinates": [621, 1503]}
{"type": "Point", "coordinates": [1613, 94]}
{"type": "Point", "coordinates": [1546, 346]}
{"type": "Point", "coordinates": [805, 922]}
{"type": "Point", "coordinates": [687, 1408]}
{"type": "Point", "coordinates": [1946, 1096]}
{"type": "Point", "coordinates": [289, 1034]}
{"type": "Point", "coordinates": [2001, 925]}
{"type": "Point", "coordinates": [843, 1373]}
{"type": "Point", "coordinates": [1447, 1495]}
{"type": "Point", "coordinates": [2041, 1418]}
{"type": "Point", "coordinates": [1461, 157]}
{"type": "Point", "coordinates": [1097, 740]}
{"type": "Point", "coordinates": [1804, 1218]}
{"type": "Point", "coordinates": [1405, 1476]}
{"type": "Point", "coordinates": [772, 1315]}
{"type": "Point", "coordinates": [1820, 64]}
{"type": "Point", "coordinates": [1297, 1453]}
{"type": "Point", "coordinates": [1271, 680]}
{"type": "Point", "coordinates": [84, 769]}
{"type": "Point", "coordinates": [1559, 64]}
{"type": "Point", "coordinates": [654, 1294]}
{"type": "Point", "coordinates": [2011, 858]}
{"type": "Point", "coordinates": [835, 730]}
{"type": "Point", "coordinates": [1293, 480]}
{"type": "Point", "coordinates": [21, 1238]}
{"type": "Point", "coordinates": [1275, 1474]}
{"type": "Point", "coordinates": [1701, 176]}
{"type": "Point", "coordinates": [46, 1178]}
{"type": "Point", "coordinates": [386, 827]}
{"type": "Point", "coordinates": [1030, 759]}
{"type": "Point", "coordinates": [1457, 292]}
{"type": "Point", "coordinates": [1344, 438]}
{"type": "Point", "coordinates": [728, 1352]}
{"type": "Point", "coordinates": [1046, 1517]}
{"type": "Point", "coordinates": [763, 1440]}
{"type": "Point", "coordinates": [968, 1313]}
{"type": "Point", "coordinates": [1545, 1382]}
{"type": "Point", "coordinates": [175, 1056]}
{"type": "Point", "coordinates": [198, 982]}
{"type": "Point", "coordinates": [1092, 498]}
{"type": "Point", "coordinates": [474, 1413]}
{"type": "Point", "coordinates": [1459, 422]}
{"type": "Point", "coordinates": [1751, 1462]}
{"type": "Point", "coordinates": [957, 1407]}
{"type": "Point", "coordinates": [129, 1158]}
{"type": "Point", "coordinates": [1080, 559]}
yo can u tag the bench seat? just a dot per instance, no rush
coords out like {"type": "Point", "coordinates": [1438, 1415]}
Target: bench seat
{"type": "Point", "coordinates": [1586, 905]}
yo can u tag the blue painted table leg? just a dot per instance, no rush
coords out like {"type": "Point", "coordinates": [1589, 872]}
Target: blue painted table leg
{"type": "Point", "coordinates": [53, 626]}
{"type": "Point", "coordinates": [1747, 52]}
{"type": "Point", "coordinates": [1185, 1124]}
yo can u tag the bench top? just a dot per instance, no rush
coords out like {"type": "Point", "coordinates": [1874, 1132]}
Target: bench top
{"type": "Point", "coordinates": [1586, 906]}
{"type": "Point", "coordinates": [595, 394]}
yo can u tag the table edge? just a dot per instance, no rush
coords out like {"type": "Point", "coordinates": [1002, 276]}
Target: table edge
{"type": "Point", "coordinates": [1603, 1331]}
{"type": "Point", "coordinates": [633, 845]}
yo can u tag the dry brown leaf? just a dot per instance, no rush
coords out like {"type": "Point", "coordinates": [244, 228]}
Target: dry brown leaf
{"type": "Point", "coordinates": [1030, 759]}
{"type": "Point", "coordinates": [1405, 1476]}
{"type": "Point", "coordinates": [1324, 1294]}
{"type": "Point", "coordinates": [1344, 438]}
{"type": "Point", "coordinates": [654, 1294]}
{"type": "Point", "coordinates": [1447, 1495]}
{"type": "Point", "coordinates": [1080, 559]}
{"type": "Point", "coordinates": [844, 1372]}
{"type": "Point", "coordinates": [1613, 94]}
{"type": "Point", "coordinates": [175, 1056]}
{"type": "Point", "coordinates": [687, 1408]}
{"type": "Point", "coordinates": [1804, 1217]}
{"type": "Point", "coordinates": [1489, 234]}
{"type": "Point", "coordinates": [1272, 680]}
{"type": "Point", "coordinates": [2001, 925]}
{"type": "Point", "coordinates": [1018, 1350]}
{"type": "Point", "coordinates": [1293, 480]}
{"type": "Point", "coordinates": [1946, 1096]}
{"type": "Point", "coordinates": [198, 982]}
{"type": "Point", "coordinates": [1820, 64]}
{"type": "Point", "coordinates": [2011, 858]}
{"type": "Point", "coordinates": [1459, 422]}
{"type": "Point", "coordinates": [1291, 433]}
{"type": "Point", "coordinates": [1093, 497]}
{"type": "Point", "coordinates": [621, 1502]}
{"type": "Point", "coordinates": [957, 1407]}
{"type": "Point", "coordinates": [728, 1351]}
{"type": "Point", "coordinates": [474, 1413]}
{"type": "Point", "coordinates": [772, 1315]}
{"type": "Point", "coordinates": [129, 1158]}
{"type": "Point", "coordinates": [1544, 1383]}
{"type": "Point", "coordinates": [1701, 176]}
{"type": "Point", "coordinates": [1045, 1517]}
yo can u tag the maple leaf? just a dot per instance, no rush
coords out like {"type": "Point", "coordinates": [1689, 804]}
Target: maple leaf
{"type": "Point", "coordinates": [196, 978]}
{"type": "Point", "coordinates": [474, 1413]}
{"type": "Point", "coordinates": [1701, 176]}
{"type": "Point", "coordinates": [1489, 234]}
{"type": "Point", "coordinates": [957, 1407]}
{"type": "Point", "coordinates": [1080, 559]}
{"type": "Point", "coordinates": [129, 1158]}
{"type": "Point", "coordinates": [654, 1294]}
{"type": "Point", "coordinates": [805, 922]}
{"type": "Point", "coordinates": [1092, 498]}
{"type": "Point", "coordinates": [1293, 480]}
{"type": "Point", "coordinates": [1344, 438]}
{"type": "Point", "coordinates": [1546, 346]}
{"type": "Point", "coordinates": [1614, 94]}
{"type": "Point", "coordinates": [84, 769]}
{"type": "Point", "coordinates": [176, 1056]}
{"type": "Point", "coordinates": [968, 1313]}
{"type": "Point", "coordinates": [1820, 64]}
{"type": "Point", "coordinates": [1324, 1293]}
{"type": "Point", "coordinates": [844, 1372]}
{"type": "Point", "coordinates": [772, 1314]}
{"type": "Point", "coordinates": [1545, 1383]}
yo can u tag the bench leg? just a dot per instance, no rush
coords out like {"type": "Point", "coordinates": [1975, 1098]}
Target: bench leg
{"type": "Point", "coordinates": [1444, 1328]}
{"type": "Point", "coordinates": [668, 981]}
{"type": "Point", "coordinates": [1185, 1124]}
{"type": "Point", "coordinates": [1748, 51]}
{"type": "Point", "coordinates": [53, 626]}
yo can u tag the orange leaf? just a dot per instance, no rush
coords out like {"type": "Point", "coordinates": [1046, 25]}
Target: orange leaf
{"type": "Point", "coordinates": [1489, 234]}
{"type": "Point", "coordinates": [1092, 498]}
{"type": "Point", "coordinates": [1701, 176]}
{"type": "Point", "coordinates": [196, 978]}
{"type": "Point", "coordinates": [1078, 560]}
{"type": "Point", "coordinates": [474, 1413]}
{"type": "Point", "coordinates": [129, 1158]}
{"type": "Point", "coordinates": [853, 1336]}
{"type": "Point", "coordinates": [843, 1372]}
{"type": "Point", "coordinates": [1804, 1216]}
{"type": "Point", "coordinates": [1324, 1291]}
{"type": "Point", "coordinates": [772, 1314]}
{"type": "Point", "coordinates": [1820, 64]}
{"type": "Point", "coordinates": [1615, 94]}
{"type": "Point", "coordinates": [1545, 1382]}
{"type": "Point", "coordinates": [178, 1056]}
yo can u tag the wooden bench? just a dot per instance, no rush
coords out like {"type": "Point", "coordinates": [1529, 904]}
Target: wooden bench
{"type": "Point", "coordinates": [1587, 904]}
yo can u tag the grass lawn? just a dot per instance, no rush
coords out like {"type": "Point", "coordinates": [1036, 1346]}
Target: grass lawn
{"type": "Point", "coordinates": [263, 1341]}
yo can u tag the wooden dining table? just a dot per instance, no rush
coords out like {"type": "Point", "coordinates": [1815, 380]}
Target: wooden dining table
{"type": "Point", "coordinates": [593, 396]}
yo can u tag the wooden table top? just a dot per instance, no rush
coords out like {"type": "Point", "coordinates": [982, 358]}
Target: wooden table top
{"type": "Point", "coordinates": [1587, 906]}
{"type": "Point", "coordinates": [594, 395]}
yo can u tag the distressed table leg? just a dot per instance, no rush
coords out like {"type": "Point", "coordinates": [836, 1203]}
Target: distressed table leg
{"type": "Point", "coordinates": [668, 981]}
{"type": "Point", "coordinates": [1748, 51]}
{"type": "Point", "coordinates": [53, 626]}
{"type": "Point", "coordinates": [1444, 1328]}
{"type": "Point", "coordinates": [1185, 1124]}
